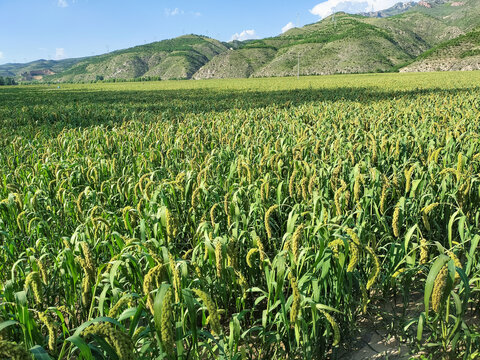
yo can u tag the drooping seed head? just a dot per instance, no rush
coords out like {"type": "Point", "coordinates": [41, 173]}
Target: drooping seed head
{"type": "Point", "coordinates": [250, 254]}
{"type": "Point", "coordinates": [296, 238]}
{"type": "Point", "coordinates": [295, 308]}
{"type": "Point", "coordinates": [335, 328]}
{"type": "Point", "coordinates": [395, 221]}
{"type": "Point", "coordinates": [268, 215]}
{"type": "Point", "coordinates": [213, 314]}
{"type": "Point", "coordinates": [423, 252]}
{"type": "Point", "coordinates": [375, 271]}
{"type": "Point", "coordinates": [167, 327]}
{"type": "Point", "coordinates": [439, 287]}
{"type": "Point", "coordinates": [33, 282]}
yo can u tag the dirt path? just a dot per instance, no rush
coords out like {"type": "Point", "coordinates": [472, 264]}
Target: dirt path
{"type": "Point", "coordinates": [374, 345]}
{"type": "Point", "coordinates": [374, 341]}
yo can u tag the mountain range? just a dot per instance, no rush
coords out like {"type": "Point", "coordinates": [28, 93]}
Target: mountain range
{"type": "Point", "coordinates": [427, 35]}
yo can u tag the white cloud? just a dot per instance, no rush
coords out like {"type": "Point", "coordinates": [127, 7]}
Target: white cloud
{"type": "Point", "coordinates": [288, 27]}
{"type": "Point", "coordinates": [329, 7]}
{"type": "Point", "coordinates": [1, 55]}
{"type": "Point", "coordinates": [62, 3]}
{"type": "Point", "coordinates": [59, 53]}
{"type": "Point", "coordinates": [244, 35]}
{"type": "Point", "coordinates": [173, 12]}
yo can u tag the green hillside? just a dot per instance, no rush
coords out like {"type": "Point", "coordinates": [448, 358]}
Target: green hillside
{"type": "Point", "coordinates": [56, 66]}
{"type": "Point", "coordinates": [415, 32]}
{"type": "Point", "coordinates": [177, 58]}
{"type": "Point", "coordinates": [461, 53]}
{"type": "Point", "coordinates": [346, 43]}
{"type": "Point", "coordinates": [342, 43]}
{"type": "Point", "coordinates": [240, 63]}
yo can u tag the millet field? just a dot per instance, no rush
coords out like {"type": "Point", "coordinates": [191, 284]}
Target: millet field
{"type": "Point", "coordinates": [240, 219]}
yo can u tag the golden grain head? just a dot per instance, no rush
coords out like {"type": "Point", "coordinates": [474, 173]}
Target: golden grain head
{"type": "Point", "coordinates": [439, 287]}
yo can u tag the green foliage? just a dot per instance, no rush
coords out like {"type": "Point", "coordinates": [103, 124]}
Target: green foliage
{"type": "Point", "coordinates": [7, 81]}
{"type": "Point", "coordinates": [469, 53]}
{"type": "Point", "coordinates": [456, 54]}
{"type": "Point", "coordinates": [344, 27]}
{"type": "Point", "coordinates": [468, 39]}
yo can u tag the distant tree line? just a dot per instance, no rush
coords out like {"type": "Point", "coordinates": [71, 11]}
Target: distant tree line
{"type": "Point", "coordinates": [99, 79]}
{"type": "Point", "coordinates": [7, 81]}
{"type": "Point", "coordinates": [138, 79]}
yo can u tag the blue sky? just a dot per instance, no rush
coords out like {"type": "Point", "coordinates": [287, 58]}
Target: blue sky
{"type": "Point", "coordinates": [58, 29]}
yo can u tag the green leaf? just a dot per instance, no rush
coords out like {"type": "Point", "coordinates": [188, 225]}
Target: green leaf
{"type": "Point", "coordinates": [128, 313]}
{"type": "Point", "coordinates": [39, 353]}
{"type": "Point", "coordinates": [461, 228]}
{"type": "Point", "coordinates": [471, 254]}
{"type": "Point", "coordinates": [8, 323]}
{"type": "Point", "coordinates": [413, 189]}
{"type": "Point", "coordinates": [21, 298]}
{"type": "Point", "coordinates": [279, 193]}
{"type": "Point", "coordinates": [81, 345]}
{"type": "Point", "coordinates": [421, 321]}
{"type": "Point", "coordinates": [142, 231]}
{"type": "Point", "coordinates": [113, 272]}
{"type": "Point", "coordinates": [450, 228]}
{"type": "Point", "coordinates": [408, 236]}
{"type": "Point", "coordinates": [234, 333]}
{"type": "Point", "coordinates": [104, 346]}
{"type": "Point", "coordinates": [102, 298]}
{"type": "Point", "coordinates": [192, 314]}
{"type": "Point", "coordinates": [157, 307]}
{"type": "Point", "coordinates": [136, 319]}
{"type": "Point", "coordinates": [179, 336]}
{"type": "Point", "coordinates": [458, 318]}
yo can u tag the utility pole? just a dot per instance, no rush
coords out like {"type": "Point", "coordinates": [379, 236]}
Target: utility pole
{"type": "Point", "coordinates": [298, 65]}
{"type": "Point", "coordinates": [298, 53]}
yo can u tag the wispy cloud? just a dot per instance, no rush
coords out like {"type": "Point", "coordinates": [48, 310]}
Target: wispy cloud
{"type": "Point", "coordinates": [288, 27]}
{"type": "Point", "coordinates": [244, 35]}
{"type": "Point", "coordinates": [1, 55]}
{"type": "Point", "coordinates": [174, 12]}
{"type": "Point", "coordinates": [329, 7]}
{"type": "Point", "coordinates": [62, 3]}
{"type": "Point", "coordinates": [59, 53]}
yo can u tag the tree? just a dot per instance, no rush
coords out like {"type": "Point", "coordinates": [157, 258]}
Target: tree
{"type": "Point", "coordinates": [7, 81]}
